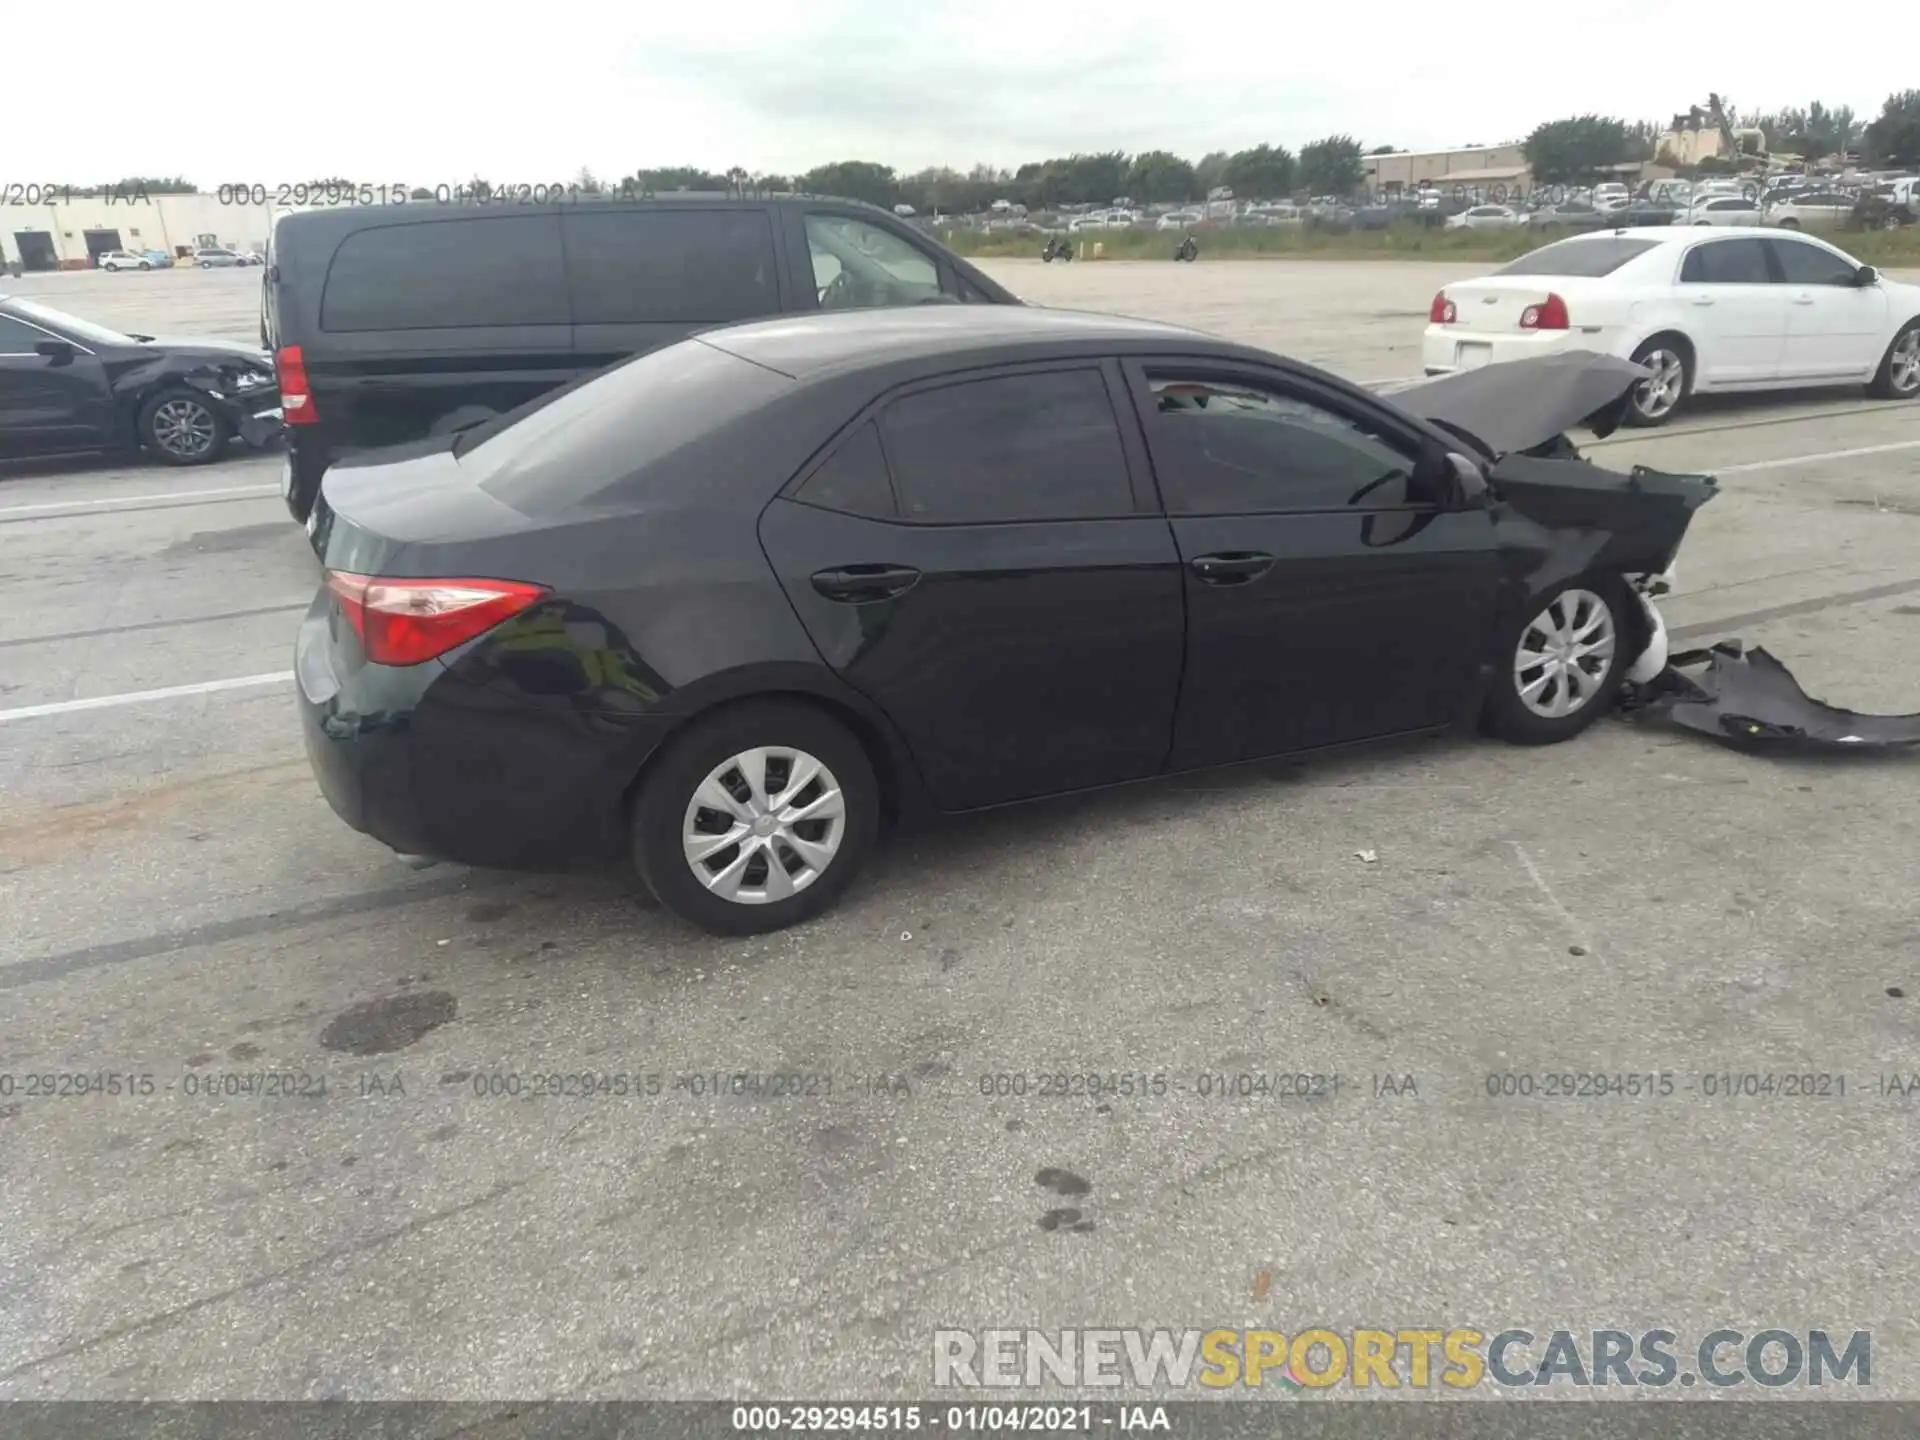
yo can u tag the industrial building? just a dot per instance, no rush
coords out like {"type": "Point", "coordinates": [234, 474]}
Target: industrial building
{"type": "Point", "coordinates": [68, 231]}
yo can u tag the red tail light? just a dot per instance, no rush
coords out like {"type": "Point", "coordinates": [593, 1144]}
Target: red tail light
{"type": "Point", "coordinates": [296, 400]}
{"type": "Point", "coordinates": [1441, 312]}
{"type": "Point", "coordinates": [1549, 314]}
{"type": "Point", "coordinates": [406, 622]}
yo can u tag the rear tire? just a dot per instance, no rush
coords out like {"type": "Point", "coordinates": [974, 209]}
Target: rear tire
{"type": "Point", "coordinates": [700, 790]}
{"type": "Point", "coordinates": [1576, 620]}
{"type": "Point", "coordinates": [1658, 399]}
{"type": "Point", "coordinates": [1899, 375]}
{"type": "Point", "coordinates": [1789, 224]}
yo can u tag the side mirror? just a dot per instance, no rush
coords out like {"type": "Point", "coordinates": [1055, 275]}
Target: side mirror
{"type": "Point", "coordinates": [60, 352]}
{"type": "Point", "coordinates": [1866, 275]}
{"type": "Point", "coordinates": [1469, 481]}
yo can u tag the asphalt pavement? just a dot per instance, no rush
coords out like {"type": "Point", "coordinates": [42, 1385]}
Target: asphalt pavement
{"type": "Point", "coordinates": [829, 1141]}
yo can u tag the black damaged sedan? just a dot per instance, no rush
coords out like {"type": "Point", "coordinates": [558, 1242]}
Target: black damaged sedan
{"type": "Point", "coordinates": [69, 386]}
{"type": "Point", "coordinates": [725, 608]}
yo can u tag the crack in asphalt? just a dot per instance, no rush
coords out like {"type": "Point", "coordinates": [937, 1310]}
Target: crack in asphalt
{"type": "Point", "coordinates": [153, 625]}
{"type": "Point", "coordinates": [146, 947]}
{"type": "Point", "coordinates": [258, 1282]}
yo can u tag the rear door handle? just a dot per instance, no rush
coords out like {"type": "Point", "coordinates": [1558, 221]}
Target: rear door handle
{"type": "Point", "coordinates": [1703, 299]}
{"type": "Point", "coordinates": [1803, 299]}
{"type": "Point", "coordinates": [1230, 567]}
{"type": "Point", "coordinates": [858, 584]}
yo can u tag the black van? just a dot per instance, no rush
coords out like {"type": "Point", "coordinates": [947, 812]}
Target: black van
{"type": "Point", "coordinates": [392, 323]}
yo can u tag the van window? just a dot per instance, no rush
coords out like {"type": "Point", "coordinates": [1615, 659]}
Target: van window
{"type": "Point", "coordinates": [491, 270]}
{"type": "Point", "coordinates": [702, 267]}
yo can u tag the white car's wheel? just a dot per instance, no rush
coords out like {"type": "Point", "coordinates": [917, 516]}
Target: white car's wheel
{"type": "Point", "coordinates": [1899, 375]}
{"type": "Point", "coordinates": [1670, 363]}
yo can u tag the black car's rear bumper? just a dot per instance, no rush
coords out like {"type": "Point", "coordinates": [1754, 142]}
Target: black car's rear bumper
{"type": "Point", "coordinates": [431, 764]}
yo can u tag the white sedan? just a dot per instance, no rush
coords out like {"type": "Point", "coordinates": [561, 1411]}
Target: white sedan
{"type": "Point", "coordinates": [1485, 217]}
{"type": "Point", "coordinates": [1703, 310]}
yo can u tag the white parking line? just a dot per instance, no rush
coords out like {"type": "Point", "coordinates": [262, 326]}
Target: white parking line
{"type": "Point", "coordinates": [235, 491]}
{"type": "Point", "coordinates": [141, 697]}
{"type": "Point", "coordinates": [1785, 460]}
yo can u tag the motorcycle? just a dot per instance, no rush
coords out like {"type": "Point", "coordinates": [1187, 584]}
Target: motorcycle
{"type": "Point", "coordinates": [1057, 249]}
{"type": "Point", "coordinates": [1187, 249]}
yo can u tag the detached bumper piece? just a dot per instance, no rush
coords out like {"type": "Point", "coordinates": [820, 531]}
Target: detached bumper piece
{"type": "Point", "coordinates": [1749, 699]}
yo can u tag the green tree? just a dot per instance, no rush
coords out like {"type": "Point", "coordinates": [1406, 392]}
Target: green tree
{"type": "Point", "coordinates": [853, 180]}
{"type": "Point", "coordinates": [1160, 175]}
{"type": "Point", "coordinates": [1576, 148]}
{"type": "Point", "coordinates": [1894, 137]}
{"type": "Point", "coordinates": [148, 185]}
{"type": "Point", "coordinates": [587, 183]}
{"type": "Point", "coordinates": [1263, 173]}
{"type": "Point", "coordinates": [1383, 150]}
{"type": "Point", "coordinates": [673, 177]}
{"type": "Point", "coordinates": [420, 192]}
{"type": "Point", "coordinates": [1332, 166]}
{"type": "Point", "coordinates": [1207, 173]}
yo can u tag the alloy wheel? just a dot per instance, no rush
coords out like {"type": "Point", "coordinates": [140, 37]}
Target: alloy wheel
{"type": "Point", "coordinates": [765, 824]}
{"type": "Point", "coordinates": [1903, 365]}
{"type": "Point", "coordinates": [1563, 657]}
{"type": "Point", "coordinates": [1656, 396]}
{"type": "Point", "coordinates": [184, 427]}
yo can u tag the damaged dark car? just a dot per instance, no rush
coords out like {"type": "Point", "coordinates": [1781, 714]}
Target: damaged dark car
{"type": "Point", "coordinates": [726, 609]}
{"type": "Point", "coordinates": [69, 387]}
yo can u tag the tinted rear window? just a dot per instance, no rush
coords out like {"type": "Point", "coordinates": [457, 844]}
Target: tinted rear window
{"type": "Point", "coordinates": [492, 270]}
{"type": "Point", "coordinates": [589, 438]}
{"type": "Point", "coordinates": [701, 267]}
{"type": "Point", "coordinates": [1599, 256]}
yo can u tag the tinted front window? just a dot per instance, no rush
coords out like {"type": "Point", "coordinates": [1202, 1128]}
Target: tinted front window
{"type": "Point", "coordinates": [853, 479]}
{"type": "Point", "coordinates": [1018, 447]}
{"type": "Point", "coordinates": [1804, 264]}
{"type": "Point", "coordinates": [17, 338]}
{"type": "Point", "coordinates": [704, 267]}
{"type": "Point", "coordinates": [1727, 262]}
{"type": "Point", "coordinates": [1229, 449]}
{"type": "Point", "coordinates": [1599, 256]}
{"type": "Point", "coordinates": [448, 274]}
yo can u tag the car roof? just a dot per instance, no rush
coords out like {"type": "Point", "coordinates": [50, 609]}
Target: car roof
{"type": "Point", "coordinates": [805, 346]}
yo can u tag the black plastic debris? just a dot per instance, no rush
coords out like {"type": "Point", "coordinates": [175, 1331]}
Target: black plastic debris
{"type": "Point", "coordinates": [1749, 699]}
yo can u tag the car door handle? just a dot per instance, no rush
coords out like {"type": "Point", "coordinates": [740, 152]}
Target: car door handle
{"type": "Point", "coordinates": [858, 584]}
{"type": "Point", "coordinates": [1803, 299]}
{"type": "Point", "coordinates": [1230, 567]}
{"type": "Point", "coordinates": [1703, 299]}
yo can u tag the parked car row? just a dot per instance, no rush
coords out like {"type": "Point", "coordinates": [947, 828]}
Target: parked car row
{"type": "Point", "coordinates": [208, 258]}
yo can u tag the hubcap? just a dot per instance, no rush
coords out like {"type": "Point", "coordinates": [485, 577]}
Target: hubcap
{"type": "Point", "coordinates": [183, 427]}
{"type": "Point", "coordinates": [1564, 655]}
{"type": "Point", "coordinates": [764, 825]}
{"type": "Point", "coordinates": [1904, 365]}
{"type": "Point", "coordinates": [1660, 391]}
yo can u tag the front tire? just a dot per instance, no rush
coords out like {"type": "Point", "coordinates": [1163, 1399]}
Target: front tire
{"type": "Point", "coordinates": [1899, 375]}
{"type": "Point", "coordinates": [180, 427]}
{"type": "Point", "coordinates": [1559, 670]}
{"type": "Point", "coordinates": [756, 818]}
{"type": "Point", "coordinates": [1658, 398]}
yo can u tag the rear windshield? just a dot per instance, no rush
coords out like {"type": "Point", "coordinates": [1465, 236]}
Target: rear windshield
{"type": "Point", "coordinates": [1599, 255]}
{"type": "Point", "coordinates": [587, 438]}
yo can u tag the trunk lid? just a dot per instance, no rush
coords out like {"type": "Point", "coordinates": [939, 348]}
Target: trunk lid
{"type": "Point", "coordinates": [1494, 305]}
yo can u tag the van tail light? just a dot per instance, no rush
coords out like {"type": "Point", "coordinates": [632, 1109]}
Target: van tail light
{"type": "Point", "coordinates": [407, 622]}
{"type": "Point", "coordinates": [1549, 314]}
{"type": "Point", "coordinates": [296, 400]}
{"type": "Point", "coordinates": [1442, 311]}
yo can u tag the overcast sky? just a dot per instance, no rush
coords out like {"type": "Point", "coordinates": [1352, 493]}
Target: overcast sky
{"type": "Point", "coordinates": [521, 93]}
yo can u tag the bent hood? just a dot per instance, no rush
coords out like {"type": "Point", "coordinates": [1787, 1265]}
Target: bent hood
{"type": "Point", "coordinates": [1527, 403]}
